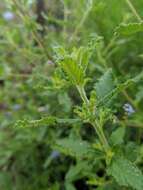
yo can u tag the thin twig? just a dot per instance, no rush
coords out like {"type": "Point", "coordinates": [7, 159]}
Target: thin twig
{"type": "Point", "coordinates": [80, 23]}
{"type": "Point", "coordinates": [132, 8]}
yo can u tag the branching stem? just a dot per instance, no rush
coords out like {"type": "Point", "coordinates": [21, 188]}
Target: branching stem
{"type": "Point", "coordinates": [97, 127]}
{"type": "Point", "coordinates": [101, 135]}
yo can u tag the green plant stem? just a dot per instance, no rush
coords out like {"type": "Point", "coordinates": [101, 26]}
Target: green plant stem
{"type": "Point", "coordinates": [83, 94]}
{"type": "Point", "coordinates": [101, 58]}
{"type": "Point", "coordinates": [101, 135]}
{"type": "Point", "coordinates": [80, 23]}
{"type": "Point", "coordinates": [97, 127]}
{"type": "Point", "coordinates": [132, 8]}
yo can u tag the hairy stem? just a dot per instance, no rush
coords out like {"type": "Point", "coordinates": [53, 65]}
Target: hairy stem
{"type": "Point", "coordinates": [97, 127]}
{"type": "Point", "coordinates": [83, 94]}
{"type": "Point", "coordinates": [101, 135]}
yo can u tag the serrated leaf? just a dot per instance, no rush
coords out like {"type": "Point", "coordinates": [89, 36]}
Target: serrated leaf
{"type": "Point", "coordinates": [73, 147]}
{"type": "Point", "coordinates": [74, 64]}
{"type": "Point", "coordinates": [117, 136]}
{"type": "Point", "coordinates": [129, 29]}
{"type": "Point", "coordinates": [48, 121]}
{"type": "Point", "coordinates": [105, 85]}
{"type": "Point", "coordinates": [126, 173]}
{"type": "Point", "coordinates": [73, 71]}
{"type": "Point", "coordinates": [120, 88]}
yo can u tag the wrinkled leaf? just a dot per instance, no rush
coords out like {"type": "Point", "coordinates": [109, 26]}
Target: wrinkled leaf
{"type": "Point", "coordinates": [126, 173]}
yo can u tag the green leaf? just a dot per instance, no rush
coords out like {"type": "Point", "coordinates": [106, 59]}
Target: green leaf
{"type": "Point", "coordinates": [105, 85]}
{"type": "Point", "coordinates": [129, 29]}
{"type": "Point", "coordinates": [119, 88]}
{"type": "Point", "coordinates": [69, 186]}
{"type": "Point", "coordinates": [46, 121]}
{"type": "Point", "coordinates": [117, 136]}
{"type": "Point", "coordinates": [50, 120]}
{"type": "Point", "coordinates": [74, 64]}
{"type": "Point", "coordinates": [139, 94]}
{"type": "Point", "coordinates": [132, 151]}
{"type": "Point", "coordinates": [82, 57]}
{"type": "Point", "coordinates": [126, 173]}
{"type": "Point", "coordinates": [77, 171]}
{"type": "Point", "coordinates": [73, 71]}
{"type": "Point", "coordinates": [137, 78]}
{"type": "Point", "coordinates": [73, 147]}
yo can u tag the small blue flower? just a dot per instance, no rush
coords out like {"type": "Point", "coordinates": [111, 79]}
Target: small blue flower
{"type": "Point", "coordinates": [55, 154]}
{"type": "Point", "coordinates": [8, 16]}
{"type": "Point", "coordinates": [129, 109]}
{"type": "Point", "coordinates": [16, 107]}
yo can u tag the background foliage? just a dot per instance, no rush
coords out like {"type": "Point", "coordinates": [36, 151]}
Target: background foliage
{"type": "Point", "coordinates": [50, 138]}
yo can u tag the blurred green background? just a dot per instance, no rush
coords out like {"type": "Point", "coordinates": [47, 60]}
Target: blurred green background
{"type": "Point", "coordinates": [28, 35]}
